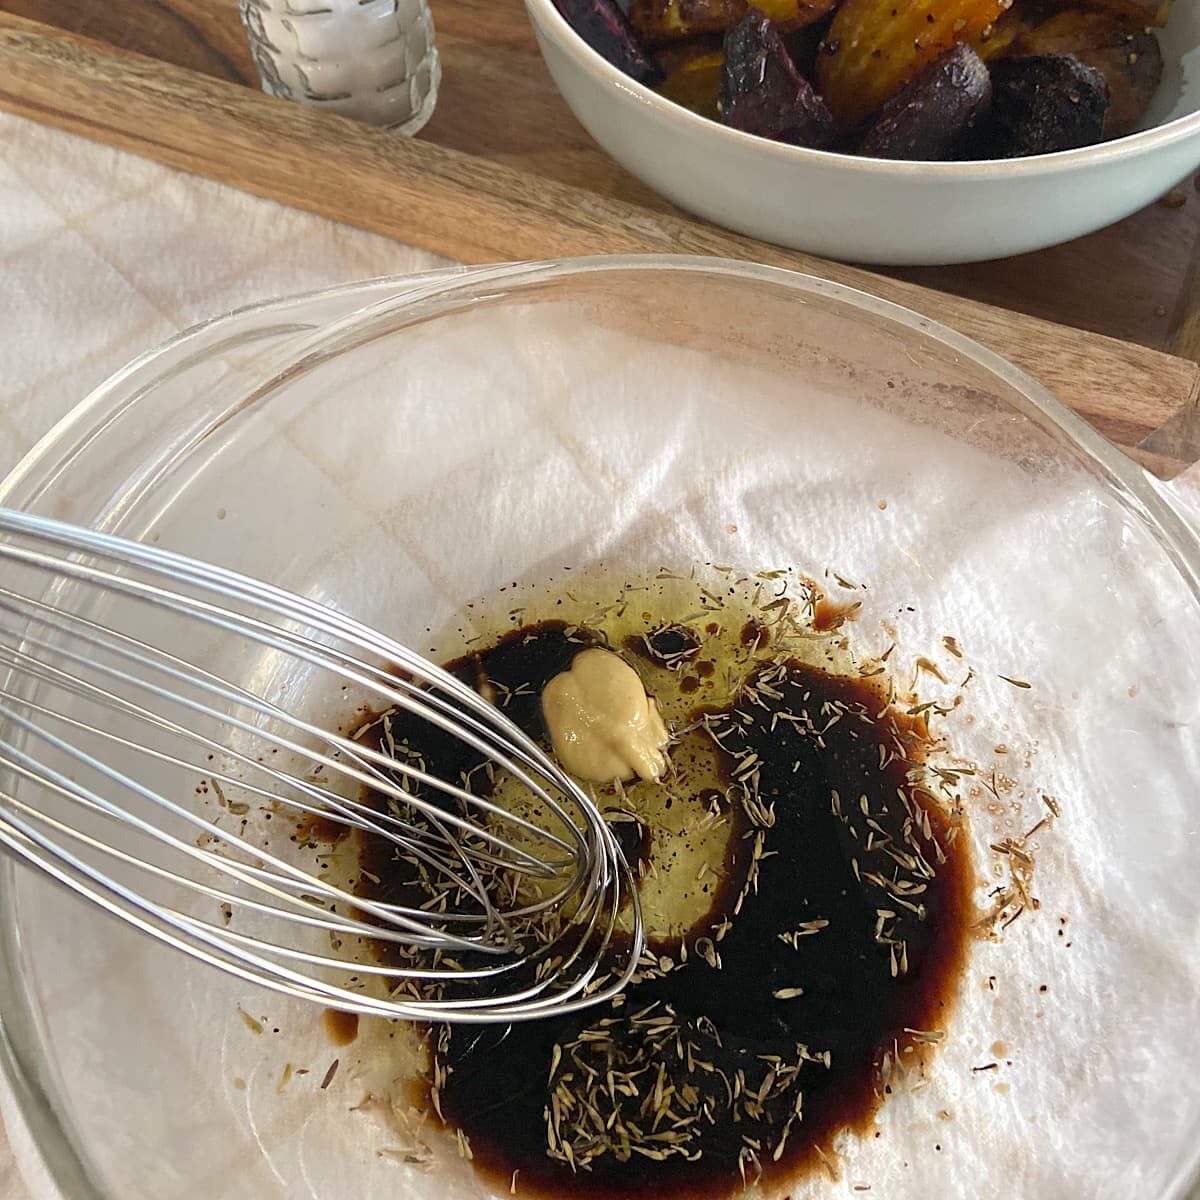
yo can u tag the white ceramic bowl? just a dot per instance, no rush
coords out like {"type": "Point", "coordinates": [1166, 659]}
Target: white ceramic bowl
{"type": "Point", "coordinates": [871, 210]}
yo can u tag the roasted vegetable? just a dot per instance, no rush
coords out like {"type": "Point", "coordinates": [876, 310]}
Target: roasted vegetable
{"type": "Point", "coordinates": [605, 28]}
{"type": "Point", "coordinates": [901, 79]}
{"type": "Point", "coordinates": [996, 38]}
{"type": "Point", "coordinates": [804, 45]}
{"type": "Point", "coordinates": [1044, 104]}
{"type": "Point", "coordinates": [1130, 59]}
{"type": "Point", "coordinates": [1140, 12]}
{"type": "Point", "coordinates": [658, 21]}
{"type": "Point", "coordinates": [932, 116]}
{"type": "Point", "coordinates": [693, 71]}
{"type": "Point", "coordinates": [875, 47]}
{"type": "Point", "coordinates": [676, 55]}
{"type": "Point", "coordinates": [763, 93]}
{"type": "Point", "coordinates": [795, 14]}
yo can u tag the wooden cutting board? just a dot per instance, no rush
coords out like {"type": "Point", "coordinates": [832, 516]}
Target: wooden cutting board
{"type": "Point", "coordinates": [504, 171]}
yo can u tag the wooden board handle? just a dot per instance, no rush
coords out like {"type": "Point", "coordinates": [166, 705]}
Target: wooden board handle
{"type": "Point", "coordinates": [475, 210]}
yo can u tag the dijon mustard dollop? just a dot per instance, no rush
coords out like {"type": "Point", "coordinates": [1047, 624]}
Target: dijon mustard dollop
{"type": "Point", "coordinates": [602, 723]}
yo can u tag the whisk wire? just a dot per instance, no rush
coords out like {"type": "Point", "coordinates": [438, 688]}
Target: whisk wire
{"type": "Point", "coordinates": [19, 761]}
{"type": "Point", "coordinates": [511, 908]}
{"type": "Point", "coordinates": [125, 647]}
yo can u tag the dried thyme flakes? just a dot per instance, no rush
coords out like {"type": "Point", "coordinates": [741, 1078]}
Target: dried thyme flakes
{"type": "Point", "coordinates": [653, 1085]}
{"type": "Point", "coordinates": [824, 780]}
{"type": "Point", "coordinates": [825, 783]}
{"type": "Point", "coordinates": [895, 861]}
{"type": "Point", "coordinates": [1013, 896]}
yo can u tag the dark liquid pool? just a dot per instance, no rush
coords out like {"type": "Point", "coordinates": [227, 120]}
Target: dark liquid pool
{"type": "Point", "coordinates": [841, 929]}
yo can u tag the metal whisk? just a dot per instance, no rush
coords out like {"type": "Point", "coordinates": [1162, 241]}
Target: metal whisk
{"type": "Point", "coordinates": [165, 751]}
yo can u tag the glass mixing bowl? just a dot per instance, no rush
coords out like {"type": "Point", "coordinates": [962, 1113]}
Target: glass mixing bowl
{"type": "Point", "coordinates": [404, 447]}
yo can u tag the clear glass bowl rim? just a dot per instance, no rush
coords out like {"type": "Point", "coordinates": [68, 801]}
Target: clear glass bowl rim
{"type": "Point", "coordinates": [57, 1143]}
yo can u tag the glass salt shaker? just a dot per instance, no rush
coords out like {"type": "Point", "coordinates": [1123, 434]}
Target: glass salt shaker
{"type": "Point", "coordinates": [373, 60]}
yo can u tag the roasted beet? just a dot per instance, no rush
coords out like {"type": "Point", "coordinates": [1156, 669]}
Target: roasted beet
{"type": "Point", "coordinates": [930, 119]}
{"type": "Point", "coordinates": [1129, 58]}
{"type": "Point", "coordinates": [605, 28]}
{"type": "Point", "coordinates": [1043, 104]}
{"type": "Point", "coordinates": [875, 47]}
{"type": "Point", "coordinates": [763, 93]}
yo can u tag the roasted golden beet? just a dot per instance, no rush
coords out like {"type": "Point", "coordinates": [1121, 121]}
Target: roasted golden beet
{"type": "Point", "coordinates": [1128, 57]}
{"type": "Point", "coordinates": [875, 47]}
{"type": "Point", "coordinates": [693, 72]}
{"type": "Point", "coordinates": [659, 21]}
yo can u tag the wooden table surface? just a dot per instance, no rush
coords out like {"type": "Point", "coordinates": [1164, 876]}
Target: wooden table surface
{"type": "Point", "coordinates": [1127, 281]}
{"type": "Point", "coordinates": [505, 171]}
